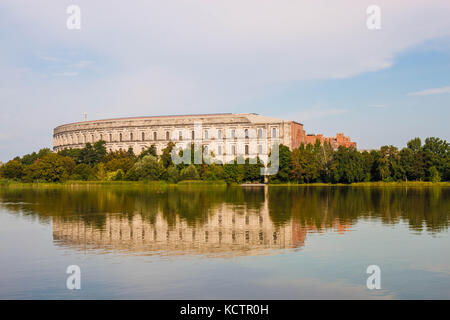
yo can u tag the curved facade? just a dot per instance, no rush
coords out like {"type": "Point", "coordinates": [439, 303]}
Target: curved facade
{"type": "Point", "coordinates": [223, 135]}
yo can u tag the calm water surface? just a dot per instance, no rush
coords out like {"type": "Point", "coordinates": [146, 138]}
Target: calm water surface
{"type": "Point", "coordinates": [224, 243]}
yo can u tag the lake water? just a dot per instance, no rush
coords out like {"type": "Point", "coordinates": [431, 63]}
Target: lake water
{"type": "Point", "coordinates": [136, 242]}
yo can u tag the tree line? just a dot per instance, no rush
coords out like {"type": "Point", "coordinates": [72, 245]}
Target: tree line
{"type": "Point", "coordinates": [309, 163]}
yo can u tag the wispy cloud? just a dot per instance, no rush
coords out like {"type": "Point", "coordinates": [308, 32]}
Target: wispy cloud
{"type": "Point", "coordinates": [65, 74]}
{"type": "Point", "coordinates": [82, 64]}
{"type": "Point", "coordinates": [430, 91]}
{"type": "Point", "coordinates": [53, 59]}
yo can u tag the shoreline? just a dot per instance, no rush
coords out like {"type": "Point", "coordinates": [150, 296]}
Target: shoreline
{"type": "Point", "coordinates": [220, 183]}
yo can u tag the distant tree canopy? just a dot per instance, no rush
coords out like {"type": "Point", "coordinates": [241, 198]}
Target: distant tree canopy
{"type": "Point", "coordinates": [308, 163]}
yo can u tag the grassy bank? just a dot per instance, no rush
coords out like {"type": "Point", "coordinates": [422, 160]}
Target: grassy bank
{"type": "Point", "coordinates": [133, 184]}
{"type": "Point", "coordinates": [127, 184]}
{"type": "Point", "coordinates": [370, 184]}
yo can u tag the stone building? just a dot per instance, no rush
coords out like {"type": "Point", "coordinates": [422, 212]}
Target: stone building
{"type": "Point", "coordinates": [223, 136]}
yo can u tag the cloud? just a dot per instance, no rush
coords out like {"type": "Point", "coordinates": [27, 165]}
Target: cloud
{"type": "Point", "coordinates": [81, 64]}
{"type": "Point", "coordinates": [65, 74]}
{"type": "Point", "coordinates": [167, 57]}
{"type": "Point", "coordinates": [430, 91]}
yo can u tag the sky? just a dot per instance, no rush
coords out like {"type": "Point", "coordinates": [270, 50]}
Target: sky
{"type": "Point", "coordinates": [315, 62]}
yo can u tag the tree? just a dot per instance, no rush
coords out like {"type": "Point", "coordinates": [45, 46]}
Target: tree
{"type": "Point", "coordinates": [12, 170]}
{"type": "Point", "coordinates": [436, 153]}
{"type": "Point", "coordinates": [150, 151]}
{"type": "Point", "coordinates": [173, 176]}
{"type": "Point", "coordinates": [82, 172]}
{"type": "Point", "coordinates": [434, 174]}
{"type": "Point", "coordinates": [148, 168]}
{"type": "Point", "coordinates": [284, 164]}
{"type": "Point", "coordinates": [189, 173]}
{"type": "Point", "coordinates": [51, 168]}
{"type": "Point", "coordinates": [166, 157]}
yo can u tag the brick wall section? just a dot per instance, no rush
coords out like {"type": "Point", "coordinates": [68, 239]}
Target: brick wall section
{"type": "Point", "coordinates": [336, 142]}
{"type": "Point", "coordinates": [297, 135]}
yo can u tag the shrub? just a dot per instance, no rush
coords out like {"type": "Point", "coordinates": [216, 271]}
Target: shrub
{"type": "Point", "coordinates": [190, 173]}
{"type": "Point", "coordinates": [148, 168]}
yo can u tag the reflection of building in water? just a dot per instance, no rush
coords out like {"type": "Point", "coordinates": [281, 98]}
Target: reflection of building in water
{"type": "Point", "coordinates": [229, 229]}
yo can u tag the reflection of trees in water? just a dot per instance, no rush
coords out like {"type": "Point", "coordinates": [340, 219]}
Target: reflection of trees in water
{"type": "Point", "coordinates": [321, 206]}
{"type": "Point", "coordinates": [318, 207]}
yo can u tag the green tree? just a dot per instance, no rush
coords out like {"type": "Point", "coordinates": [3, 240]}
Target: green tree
{"type": "Point", "coordinates": [173, 176]}
{"type": "Point", "coordinates": [51, 168]}
{"type": "Point", "coordinates": [150, 151]}
{"type": "Point", "coordinates": [189, 173]}
{"type": "Point", "coordinates": [148, 168]}
{"type": "Point", "coordinates": [82, 172]}
{"type": "Point", "coordinates": [13, 169]}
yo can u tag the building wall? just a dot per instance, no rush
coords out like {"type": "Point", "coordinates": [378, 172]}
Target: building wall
{"type": "Point", "coordinates": [225, 135]}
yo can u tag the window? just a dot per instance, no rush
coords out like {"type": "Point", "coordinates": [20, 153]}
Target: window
{"type": "Point", "coordinates": [167, 135]}
{"type": "Point", "coordinates": [205, 151]}
{"type": "Point", "coordinates": [274, 132]}
{"type": "Point", "coordinates": [142, 149]}
{"type": "Point", "coordinates": [219, 150]}
{"type": "Point", "coordinates": [233, 134]}
{"type": "Point", "coordinates": [101, 136]}
{"type": "Point", "coordinates": [233, 150]}
{"type": "Point", "coordinates": [219, 134]}
{"type": "Point", "coordinates": [155, 136]}
{"type": "Point", "coordinates": [131, 136]}
{"type": "Point", "coordinates": [260, 133]}
{"type": "Point", "coordinates": [246, 149]}
{"type": "Point", "coordinates": [206, 134]}
{"type": "Point", "coordinates": [193, 135]}
{"type": "Point", "coordinates": [120, 137]}
{"type": "Point", "coordinates": [260, 149]}
{"type": "Point", "coordinates": [246, 133]}
{"type": "Point", "coordinates": [180, 135]}
{"type": "Point", "coordinates": [110, 137]}
{"type": "Point", "coordinates": [143, 136]}
{"type": "Point", "coordinates": [92, 136]}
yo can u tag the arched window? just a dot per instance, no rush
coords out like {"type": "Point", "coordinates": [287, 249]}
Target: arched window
{"type": "Point", "coordinates": [206, 134]}
{"type": "Point", "coordinates": [101, 136]}
{"type": "Point", "coordinates": [193, 135]}
{"type": "Point", "coordinates": [110, 137]}
{"type": "Point", "coordinates": [260, 149]}
{"type": "Point", "coordinates": [143, 136]}
{"type": "Point", "coordinates": [155, 136]}
{"type": "Point", "coordinates": [274, 132]}
{"type": "Point", "coordinates": [167, 135]}
{"type": "Point", "coordinates": [131, 136]}
{"type": "Point", "coordinates": [246, 133]}
{"type": "Point", "coordinates": [180, 135]}
{"type": "Point", "coordinates": [120, 137]}
{"type": "Point", "coordinates": [92, 136]}
{"type": "Point", "coordinates": [219, 134]}
{"type": "Point", "coordinates": [233, 133]}
{"type": "Point", "coordinates": [246, 149]}
{"type": "Point", "coordinates": [260, 133]}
